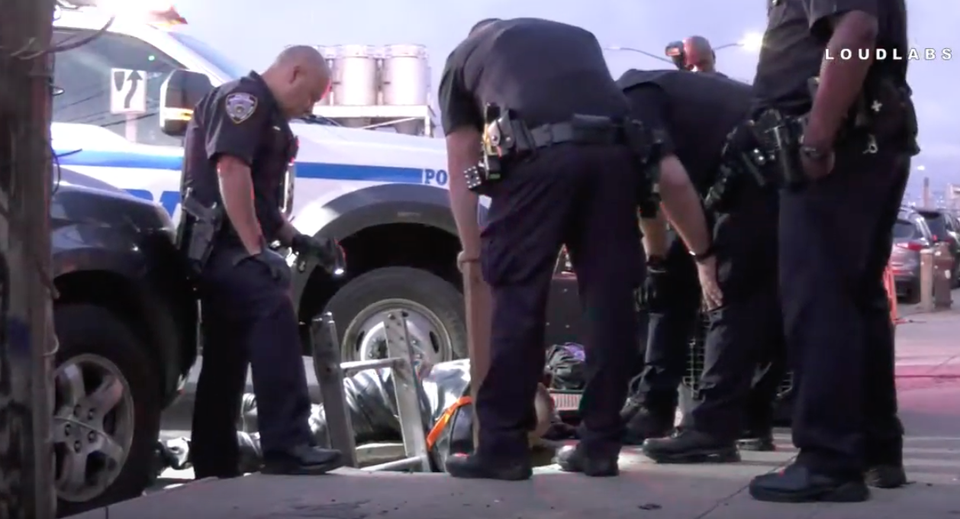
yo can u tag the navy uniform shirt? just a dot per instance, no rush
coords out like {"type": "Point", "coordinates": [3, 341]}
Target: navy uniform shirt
{"type": "Point", "coordinates": [796, 39]}
{"type": "Point", "coordinates": [243, 120]}
{"type": "Point", "coordinates": [693, 112]}
{"type": "Point", "coordinates": [546, 71]}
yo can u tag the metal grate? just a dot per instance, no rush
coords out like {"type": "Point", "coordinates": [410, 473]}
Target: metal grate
{"type": "Point", "coordinates": [695, 361]}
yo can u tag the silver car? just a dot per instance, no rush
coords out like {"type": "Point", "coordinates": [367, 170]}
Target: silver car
{"type": "Point", "coordinates": [911, 234]}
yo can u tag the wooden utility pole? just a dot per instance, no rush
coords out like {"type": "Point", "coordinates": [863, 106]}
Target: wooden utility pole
{"type": "Point", "coordinates": [27, 341]}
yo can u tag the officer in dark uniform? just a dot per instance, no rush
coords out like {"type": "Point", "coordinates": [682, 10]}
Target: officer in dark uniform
{"type": "Point", "coordinates": [537, 96]}
{"type": "Point", "coordinates": [238, 148]}
{"type": "Point", "coordinates": [845, 141]}
{"type": "Point", "coordinates": [704, 117]}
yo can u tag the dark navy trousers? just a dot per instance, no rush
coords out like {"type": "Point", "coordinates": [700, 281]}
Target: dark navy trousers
{"type": "Point", "coordinates": [248, 319]}
{"type": "Point", "coordinates": [583, 197]}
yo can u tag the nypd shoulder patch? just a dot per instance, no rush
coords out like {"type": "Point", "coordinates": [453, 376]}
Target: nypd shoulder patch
{"type": "Point", "coordinates": [240, 106]}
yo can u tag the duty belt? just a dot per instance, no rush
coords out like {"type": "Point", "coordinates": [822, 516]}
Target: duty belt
{"type": "Point", "coordinates": [595, 132]}
{"type": "Point", "coordinates": [744, 156]}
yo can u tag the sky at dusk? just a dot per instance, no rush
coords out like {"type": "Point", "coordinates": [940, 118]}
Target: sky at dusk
{"type": "Point", "coordinates": [253, 31]}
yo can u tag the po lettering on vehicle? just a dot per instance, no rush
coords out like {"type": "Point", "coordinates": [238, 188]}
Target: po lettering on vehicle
{"type": "Point", "coordinates": [435, 177]}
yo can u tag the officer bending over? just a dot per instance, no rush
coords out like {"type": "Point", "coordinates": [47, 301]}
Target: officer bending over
{"type": "Point", "coordinates": [560, 161]}
{"type": "Point", "coordinates": [703, 117]}
{"type": "Point", "coordinates": [238, 147]}
{"type": "Point", "coordinates": [845, 143]}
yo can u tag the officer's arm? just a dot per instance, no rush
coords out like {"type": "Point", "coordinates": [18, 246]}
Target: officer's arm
{"type": "Point", "coordinates": [679, 199]}
{"type": "Point", "coordinates": [843, 24]}
{"type": "Point", "coordinates": [654, 232]}
{"type": "Point", "coordinates": [462, 124]}
{"type": "Point", "coordinates": [233, 134]}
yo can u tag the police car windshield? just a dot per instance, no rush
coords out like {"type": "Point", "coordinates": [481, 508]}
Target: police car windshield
{"type": "Point", "coordinates": [225, 64]}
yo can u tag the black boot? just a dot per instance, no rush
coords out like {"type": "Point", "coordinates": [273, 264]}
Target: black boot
{"type": "Point", "coordinates": [886, 476]}
{"type": "Point", "coordinates": [760, 440]}
{"type": "Point", "coordinates": [477, 466]}
{"type": "Point", "coordinates": [574, 459]}
{"type": "Point", "coordinates": [641, 423]}
{"type": "Point", "coordinates": [797, 484]}
{"type": "Point", "coordinates": [302, 460]}
{"type": "Point", "coordinates": [690, 446]}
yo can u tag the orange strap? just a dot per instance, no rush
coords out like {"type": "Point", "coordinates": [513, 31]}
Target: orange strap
{"type": "Point", "coordinates": [445, 419]}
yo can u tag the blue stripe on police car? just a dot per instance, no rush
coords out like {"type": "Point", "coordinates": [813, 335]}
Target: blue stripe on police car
{"type": "Point", "coordinates": [305, 170]}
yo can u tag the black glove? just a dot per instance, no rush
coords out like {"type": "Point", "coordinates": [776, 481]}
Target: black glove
{"type": "Point", "coordinates": [279, 270]}
{"type": "Point", "coordinates": [326, 251]}
{"type": "Point", "coordinates": [655, 288]}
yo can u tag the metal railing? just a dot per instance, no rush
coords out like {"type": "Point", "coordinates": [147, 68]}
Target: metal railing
{"type": "Point", "coordinates": [331, 372]}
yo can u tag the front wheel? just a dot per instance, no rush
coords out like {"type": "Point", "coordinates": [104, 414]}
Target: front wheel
{"type": "Point", "coordinates": [436, 319]}
{"type": "Point", "coordinates": [107, 408]}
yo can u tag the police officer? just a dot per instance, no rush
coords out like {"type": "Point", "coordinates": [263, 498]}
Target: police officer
{"type": "Point", "coordinates": [704, 117]}
{"type": "Point", "coordinates": [846, 140]}
{"type": "Point", "coordinates": [540, 92]}
{"type": "Point", "coordinates": [697, 112]}
{"type": "Point", "coordinates": [238, 147]}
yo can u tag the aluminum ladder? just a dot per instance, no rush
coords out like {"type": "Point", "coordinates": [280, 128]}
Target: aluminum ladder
{"type": "Point", "coordinates": [407, 388]}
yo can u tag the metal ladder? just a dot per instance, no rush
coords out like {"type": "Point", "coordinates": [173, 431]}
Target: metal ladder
{"type": "Point", "coordinates": [331, 372]}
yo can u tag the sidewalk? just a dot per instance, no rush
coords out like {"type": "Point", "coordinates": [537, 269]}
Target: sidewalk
{"type": "Point", "coordinates": [929, 381]}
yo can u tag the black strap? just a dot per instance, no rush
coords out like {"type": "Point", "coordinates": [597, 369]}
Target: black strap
{"type": "Point", "coordinates": [560, 133]}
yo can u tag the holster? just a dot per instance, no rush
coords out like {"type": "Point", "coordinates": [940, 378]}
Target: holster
{"type": "Point", "coordinates": [781, 137]}
{"type": "Point", "coordinates": [743, 159]}
{"type": "Point", "coordinates": [199, 226]}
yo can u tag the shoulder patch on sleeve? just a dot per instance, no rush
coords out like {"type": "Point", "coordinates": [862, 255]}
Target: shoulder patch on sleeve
{"type": "Point", "coordinates": [240, 106]}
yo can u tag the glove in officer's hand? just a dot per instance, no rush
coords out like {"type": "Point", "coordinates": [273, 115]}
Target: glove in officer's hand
{"type": "Point", "coordinates": [325, 250]}
{"type": "Point", "coordinates": [655, 286]}
{"type": "Point", "coordinates": [279, 270]}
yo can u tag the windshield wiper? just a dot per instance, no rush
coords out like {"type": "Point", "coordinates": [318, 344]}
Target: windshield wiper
{"type": "Point", "coordinates": [316, 119]}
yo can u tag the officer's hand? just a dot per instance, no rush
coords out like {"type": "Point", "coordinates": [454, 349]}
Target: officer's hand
{"type": "Point", "coordinates": [463, 259]}
{"type": "Point", "coordinates": [279, 270]}
{"type": "Point", "coordinates": [325, 250]}
{"type": "Point", "coordinates": [707, 272]}
{"type": "Point", "coordinates": [655, 287]}
{"type": "Point", "coordinates": [816, 169]}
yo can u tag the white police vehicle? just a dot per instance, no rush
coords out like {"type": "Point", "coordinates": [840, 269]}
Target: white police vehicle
{"type": "Point", "coordinates": [381, 194]}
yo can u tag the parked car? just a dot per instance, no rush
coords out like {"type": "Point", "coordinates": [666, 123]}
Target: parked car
{"type": "Point", "coordinates": [126, 321]}
{"type": "Point", "coordinates": [911, 234]}
{"type": "Point", "coordinates": [953, 227]}
{"type": "Point", "coordinates": [940, 223]}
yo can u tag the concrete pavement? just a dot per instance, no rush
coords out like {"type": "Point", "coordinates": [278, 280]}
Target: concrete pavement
{"type": "Point", "coordinates": [929, 381]}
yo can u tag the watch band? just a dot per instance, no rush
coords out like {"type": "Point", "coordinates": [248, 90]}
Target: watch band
{"type": "Point", "coordinates": [707, 254]}
{"type": "Point", "coordinates": [813, 152]}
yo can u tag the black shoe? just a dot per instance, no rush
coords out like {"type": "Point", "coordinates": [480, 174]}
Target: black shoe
{"type": "Point", "coordinates": [473, 466]}
{"type": "Point", "coordinates": [573, 459]}
{"type": "Point", "coordinates": [302, 460]}
{"type": "Point", "coordinates": [640, 423]}
{"type": "Point", "coordinates": [796, 484]}
{"type": "Point", "coordinates": [760, 441]}
{"type": "Point", "coordinates": [689, 446]}
{"type": "Point", "coordinates": [886, 476]}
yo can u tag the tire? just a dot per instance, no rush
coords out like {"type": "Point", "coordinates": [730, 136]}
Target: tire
{"type": "Point", "coordinates": [357, 302]}
{"type": "Point", "coordinates": [93, 334]}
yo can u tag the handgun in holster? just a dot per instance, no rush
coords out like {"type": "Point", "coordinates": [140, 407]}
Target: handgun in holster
{"type": "Point", "coordinates": [497, 141]}
{"type": "Point", "coordinates": [199, 225]}
{"type": "Point", "coordinates": [782, 137]}
{"type": "Point", "coordinates": [645, 144]}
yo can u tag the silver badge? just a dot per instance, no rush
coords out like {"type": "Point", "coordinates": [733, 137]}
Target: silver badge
{"type": "Point", "coordinates": [240, 106]}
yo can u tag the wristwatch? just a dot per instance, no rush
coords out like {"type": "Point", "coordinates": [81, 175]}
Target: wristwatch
{"type": "Point", "coordinates": [707, 254]}
{"type": "Point", "coordinates": [655, 262]}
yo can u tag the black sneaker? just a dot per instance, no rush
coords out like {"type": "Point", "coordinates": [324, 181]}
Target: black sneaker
{"type": "Point", "coordinates": [886, 476]}
{"type": "Point", "coordinates": [640, 423]}
{"type": "Point", "coordinates": [760, 441]}
{"type": "Point", "coordinates": [302, 460]}
{"type": "Point", "coordinates": [473, 466]}
{"type": "Point", "coordinates": [690, 446]}
{"type": "Point", "coordinates": [573, 459]}
{"type": "Point", "coordinates": [797, 484]}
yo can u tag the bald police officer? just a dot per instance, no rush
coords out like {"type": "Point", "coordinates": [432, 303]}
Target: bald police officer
{"type": "Point", "coordinates": [703, 117]}
{"type": "Point", "coordinates": [238, 148]}
{"type": "Point", "coordinates": [559, 168]}
{"type": "Point", "coordinates": [846, 141]}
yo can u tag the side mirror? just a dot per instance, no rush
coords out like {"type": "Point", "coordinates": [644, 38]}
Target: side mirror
{"type": "Point", "coordinates": [178, 95]}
